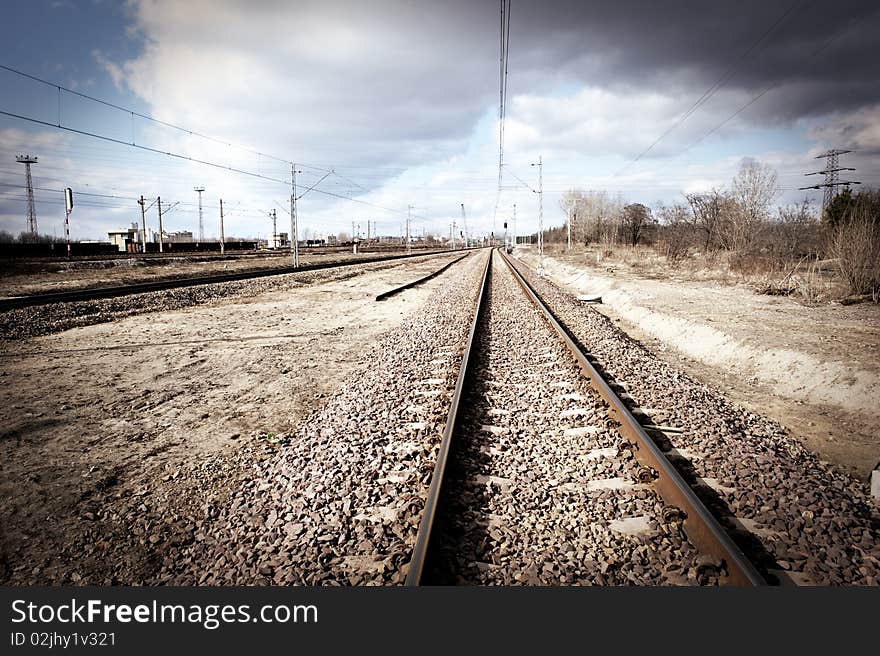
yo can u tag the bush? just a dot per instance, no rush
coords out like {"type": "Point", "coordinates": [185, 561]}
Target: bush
{"type": "Point", "coordinates": [855, 244]}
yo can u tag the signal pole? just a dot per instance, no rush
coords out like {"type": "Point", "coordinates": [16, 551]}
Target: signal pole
{"type": "Point", "coordinates": [199, 190]}
{"type": "Point", "coordinates": [27, 160]}
{"type": "Point", "coordinates": [832, 179]}
{"type": "Point", "coordinates": [222, 236]}
{"type": "Point", "coordinates": [142, 203]}
{"type": "Point", "coordinates": [68, 206]}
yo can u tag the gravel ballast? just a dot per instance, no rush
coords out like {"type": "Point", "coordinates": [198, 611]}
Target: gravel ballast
{"type": "Point", "coordinates": [542, 489]}
{"type": "Point", "coordinates": [341, 502]}
{"type": "Point", "coordinates": [794, 516]}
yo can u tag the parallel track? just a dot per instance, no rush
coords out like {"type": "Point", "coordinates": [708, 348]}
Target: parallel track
{"type": "Point", "coordinates": [700, 526]}
{"type": "Point", "coordinates": [139, 288]}
{"type": "Point", "coordinates": [418, 281]}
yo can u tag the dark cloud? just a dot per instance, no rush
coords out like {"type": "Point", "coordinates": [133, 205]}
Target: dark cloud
{"type": "Point", "coordinates": [827, 50]}
{"type": "Point", "coordinates": [397, 81]}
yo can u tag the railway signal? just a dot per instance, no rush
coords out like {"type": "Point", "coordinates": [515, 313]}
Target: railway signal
{"type": "Point", "coordinates": [68, 206]}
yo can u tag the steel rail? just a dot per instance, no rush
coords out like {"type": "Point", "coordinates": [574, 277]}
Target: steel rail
{"type": "Point", "coordinates": [419, 281]}
{"type": "Point", "coordinates": [95, 293]}
{"type": "Point", "coordinates": [423, 537]}
{"type": "Point", "coordinates": [699, 524]}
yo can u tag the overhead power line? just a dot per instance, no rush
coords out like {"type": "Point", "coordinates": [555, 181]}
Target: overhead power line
{"type": "Point", "coordinates": [762, 92]}
{"type": "Point", "coordinates": [133, 113]}
{"type": "Point", "coordinates": [713, 89]}
{"type": "Point", "coordinates": [504, 50]}
{"type": "Point", "coordinates": [195, 160]}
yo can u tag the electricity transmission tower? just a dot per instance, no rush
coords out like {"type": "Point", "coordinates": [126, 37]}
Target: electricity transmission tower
{"type": "Point", "coordinates": [199, 190]}
{"type": "Point", "coordinates": [832, 179]}
{"type": "Point", "coordinates": [27, 160]}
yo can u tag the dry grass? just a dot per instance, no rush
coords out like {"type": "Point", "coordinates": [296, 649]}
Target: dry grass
{"type": "Point", "coordinates": [808, 280]}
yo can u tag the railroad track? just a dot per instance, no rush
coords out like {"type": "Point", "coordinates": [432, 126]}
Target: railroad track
{"type": "Point", "coordinates": [543, 476]}
{"type": "Point", "coordinates": [158, 285]}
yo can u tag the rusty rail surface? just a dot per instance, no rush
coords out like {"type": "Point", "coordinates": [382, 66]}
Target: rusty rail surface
{"type": "Point", "coordinates": [423, 537]}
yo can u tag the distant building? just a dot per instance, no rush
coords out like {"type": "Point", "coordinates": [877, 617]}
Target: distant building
{"type": "Point", "coordinates": [281, 240]}
{"type": "Point", "coordinates": [180, 236]}
{"type": "Point", "coordinates": [126, 239]}
{"type": "Point", "coordinates": [130, 240]}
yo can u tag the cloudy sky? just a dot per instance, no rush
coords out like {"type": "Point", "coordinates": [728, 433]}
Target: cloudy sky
{"type": "Point", "coordinates": [400, 100]}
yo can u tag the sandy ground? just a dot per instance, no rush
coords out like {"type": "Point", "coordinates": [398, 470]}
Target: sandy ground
{"type": "Point", "coordinates": [114, 437]}
{"type": "Point", "coordinates": [21, 277]}
{"type": "Point", "coordinates": [815, 369]}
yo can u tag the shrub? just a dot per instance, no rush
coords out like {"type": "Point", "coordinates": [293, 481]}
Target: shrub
{"type": "Point", "coordinates": [855, 244]}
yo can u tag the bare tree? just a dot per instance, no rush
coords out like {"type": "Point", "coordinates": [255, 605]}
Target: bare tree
{"type": "Point", "coordinates": [754, 190]}
{"type": "Point", "coordinates": [707, 213]}
{"type": "Point", "coordinates": [676, 231]}
{"type": "Point", "coordinates": [795, 230]}
{"type": "Point", "coordinates": [573, 204]}
{"type": "Point", "coordinates": [634, 218]}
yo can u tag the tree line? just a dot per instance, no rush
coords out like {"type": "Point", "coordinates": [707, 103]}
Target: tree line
{"type": "Point", "coordinates": [741, 220]}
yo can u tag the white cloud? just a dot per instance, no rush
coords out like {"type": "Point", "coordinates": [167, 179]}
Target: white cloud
{"type": "Point", "coordinates": [113, 70]}
{"type": "Point", "coordinates": [858, 130]}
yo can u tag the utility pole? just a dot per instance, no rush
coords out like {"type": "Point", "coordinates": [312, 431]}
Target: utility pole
{"type": "Point", "coordinates": [27, 160]}
{"type": "Point", "coordinates": [514, 225]}
{"type": "Point", "coordinates": [159, 201]}
{"type": "Point", "coordinates": [408, 219]}
{"type": "Point", "coordinates": [142, 203]}
{"type": "Point", "coordinates": [540, 166]}
{"type": "Point", "coordinates": [294, 235]}
{"type": "Point", "coordinates": [368, 230]}
{"type": "Point", "coordinates": [832, 179]}
{"type": "Point", "coordinates": [222, 235]}
{"type": "Point", "coordinates": [201, 221]}
{"type": "Point", "coordinates": [274, 230]}
{"type": "Point", "coordinates": [464, 225]}
{"type": "Point", "coordinates": [569, 229]}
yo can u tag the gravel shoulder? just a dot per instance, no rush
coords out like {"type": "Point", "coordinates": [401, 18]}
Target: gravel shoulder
{"type": "Point", "coordinates": [118, 438]}
{"type": "Point", "coordinates": [814, 369]}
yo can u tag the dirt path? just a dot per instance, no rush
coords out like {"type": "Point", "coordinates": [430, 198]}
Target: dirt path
{"type": "Point", "coordinates": [816, 370]}
{"type": "Point", "coordinates": [115, 437]}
